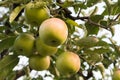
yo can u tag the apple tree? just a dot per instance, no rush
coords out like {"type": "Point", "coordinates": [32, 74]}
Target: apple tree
{"type": "Point", "coordinates": [62, 39]}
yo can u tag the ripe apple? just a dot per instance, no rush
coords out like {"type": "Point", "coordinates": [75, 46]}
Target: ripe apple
{"type": "Point", "coordinates": [35, 14]}
{"type": "Point", "coordinates": [39, 63]}
{"type": "Point", "coordinates": [68, 63]}
{"type": "Point", "coordinates": [116, 75]}
{"type": "Point", "coordinates": [53, 32]}
{"type": "Point", "coordinates": [44, 49]}
{"type": "Point", "coordinates": [24, 44]}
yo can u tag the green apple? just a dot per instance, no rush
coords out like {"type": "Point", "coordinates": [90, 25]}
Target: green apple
{"type": "Point", "coordinates": [53, 32]}
{"type": "Point", "coordinates": [36, 14]}
{"type": "Point", "coordinates": [44, 49]}
{"type": "Point", "coordinates": [24, 44]}
{"type": "Point", "coordinates": [116, 75]}
{"type": "Point", "coordinates": [68, 63]}
{"type": "Point", "coordinates": [39, 63]}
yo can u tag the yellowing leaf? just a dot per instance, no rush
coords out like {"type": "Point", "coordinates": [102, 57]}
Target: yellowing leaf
{"type": "Point", "coordinates": [71, 22]}
{"type": "Point", "coordinates": [15, 13]}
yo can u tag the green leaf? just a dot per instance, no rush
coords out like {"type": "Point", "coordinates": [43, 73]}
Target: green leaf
{"type": "Point", "coordinates": [18, 27]}
{"type": "Point", "coordinates": [111, 9]}
{"type": "Point", "coordinates": [7, 64]}
{"type": "Point", "coordinates": [87, 42]}
{"type": "Point", "coordinates": [92, 2]}
{"type": "Point", "coordinates": [101, 50]}
{"type": "Point", "coordinates": [108, 8]}
{"type": "Point", "coordinates": [96, 18]}
{"type": "Point", "coordinates": [65, 4]}
{"type": "Point", "coordinates": [6, 43]}
{"type": "Point", "coordinates": [11, 76]}
{"type": "Point", "coordinates": [103, 22]}
{"type": "Point", "coordinates": [15, 13]}
{"type": "Point", "coordinates": [98, 50]}
{"type": "Point", "coordinates": [71, 22]}
{"type": "Point", "coordinates": [2, 36]}
{"type": "Point", "coordinates": [102, 43]}
{"type": "Point", "coordinates": [2, 28]}
{"type": "Point", "coordinates": [91, 29]}
{"type": "Point", "coordinates": [79, 5]}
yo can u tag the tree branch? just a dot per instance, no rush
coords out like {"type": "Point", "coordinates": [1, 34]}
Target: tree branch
{"type": "Point", "coordinates": [117, 17]}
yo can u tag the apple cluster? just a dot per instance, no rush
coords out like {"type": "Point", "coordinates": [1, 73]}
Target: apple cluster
{"type": "Point", "coordinates": [53, 32]}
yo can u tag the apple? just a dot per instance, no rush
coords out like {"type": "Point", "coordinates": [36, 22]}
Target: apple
{"type": "Point", "coordinates": [39, 63]}
{"type": "Point", "coordinates": [43, 49]}
{"type": "Point", "coordinates": [116, 75]}
{"type": "Point", "coordinates": [53, 32]}
{"type": "Point", "coordinates": [24, 44]}
{"type": "Point", "coordinates": [35, 14]}
{"type": "Point", "coordinates": [68, 63]}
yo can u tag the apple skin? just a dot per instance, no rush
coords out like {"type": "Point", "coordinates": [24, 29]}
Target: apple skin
{"type": "Point", "coordinates": [116, 75]}
{"type": "Point", "coordinates": [39, 63]}
{"type": "Point", "coordinates": [35, 15]}
{"type": "Point", "coordinates": [68, 63]}
{"type": "Point", "coordinates": [24, 44]}
{"type": "Point", "coordinates": [43, 49]}
{"type": "Point", "coordinates": [53, 32]}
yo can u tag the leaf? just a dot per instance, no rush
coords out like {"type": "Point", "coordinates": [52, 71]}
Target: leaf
{"type": "Point", "coordinates": [15, 13]}
{"type": "Point", "coordinates": [102, 43]}
{"type": "Point", "coordinates": [93, 11]}
{"type": "Point", "coordinates": [108, 7]}
{"type": "Point", "coordinates": [96, 18]}
{"type": "Point", "coordinates": [101, 50]}
{"type": "Point", "coordinates": [71, 25]}
{"type": "Point", "coordinates": [7, 64]}
{"type": "Point", "coordinates": [6, 43]}
{"type": "Point", "coordinates": [98, 50]}
{"type": "Point", "coordinates": [103, 22]}
{"type": "Point", "coordinates": [2, 28]}
{"type": "Point", "coordinates": [2, 36]}
{"type": "Point", "coordinates": [71, 22]}
{"type": "Point", "coordinates": [101, 68]}
{"type": "Point", "coordinates": [65, 4]}
{"type": "Point", "coordinates": [11, 76]}
{"type": "Point", "coordinates": [80, 5]}
{"type": "Point", "coordinates": [17, 27]}
{"type": "Point", "coordinates": [89, 41]}
{"type": "Point", "coordinates": [92, 2]}
{"type": "Point", "coordinates": [91, 29]}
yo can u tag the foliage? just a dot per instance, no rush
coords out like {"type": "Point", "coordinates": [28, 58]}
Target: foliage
{"type": "Point", "coordinates": [78, 14]}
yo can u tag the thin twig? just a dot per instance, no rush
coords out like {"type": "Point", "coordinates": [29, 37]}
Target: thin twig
{"type": "Point", "coordinates": [117, 17]}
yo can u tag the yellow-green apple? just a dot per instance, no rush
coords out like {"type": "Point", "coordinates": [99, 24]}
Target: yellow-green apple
{"type": "Point", "coordinates": [68, 63]}
{"type": "Point", "coordinates": [39, 63]}
{"type": "Point", "coordinates": [116, 75]}
{"type": "Point", "coordinates": [43, 49]}
{"type": "Point", "coordinates": [24, 44]}
{"type": "Point", "coordinates": [53, 32]}
{"type": "Point", "coordinates": [36, 14]}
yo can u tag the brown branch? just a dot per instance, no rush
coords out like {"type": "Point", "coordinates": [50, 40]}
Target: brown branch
{"type": "Point", "coordinates": [96, 24]}
{"type": "Point", "coordinates": [19, 74]}
{"type": "Point", "coordinates": [117, 17]}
